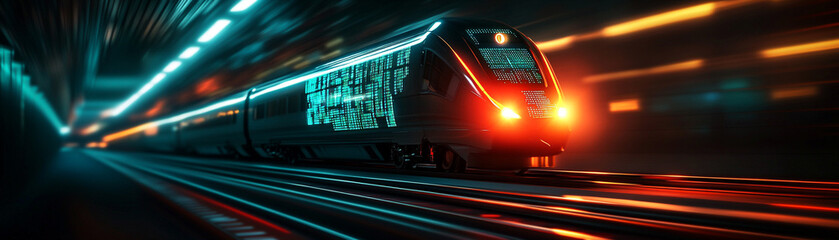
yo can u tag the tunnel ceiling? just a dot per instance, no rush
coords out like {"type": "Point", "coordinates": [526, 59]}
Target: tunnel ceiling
{"type": "Point", "coordinates": [89, 56]}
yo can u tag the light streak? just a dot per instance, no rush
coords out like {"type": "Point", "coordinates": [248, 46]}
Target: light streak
{"type": "Point", "coordinates": [760, 216]}
{"type": "Point", "coordinates": [41, 103]}
{"type": "Point", "coordinates": [801, 49]}
{"type": "Point", "coordinates": [172, 66]}
{"type": "Point", "coordinates": [434, 26]}
{"type": "Point", "coordinates": [786, 93]}
{"type": "Point", "coordinates": [136, 129]}
{"type": "Point", "coordinates": [553, 76]}
{"type": "Point", "coordinates": [624, 105]}
{"type": "Point", "coordinates": [214, 30]}
{"type": "Point", "coordinates": [119, 109]}
{"type": "Point", "coordinates": [242, 5]}
{"type": "Point", "coordinates": [808, 207]}
{"type": "Point", "coordinates": [237, 211]}
{"type": "Point", "coordinates": [675, 67]}
{"type": "Point", "coordinates": [473, 78]}
{"type": "Point", "coordinates": [645, 23]}
{"type": "Point", "coordinates": [91, 129]}
{"type": "Point", "coordinates": [189, 52]}
{"type": "Point", "coordinates": [234, 198]}
{"type": "Point", "coordinates": [346, 62]}
{"type": "Point", "coordinates": [555, 44]}
{"type": "Point", "coordinates": [661, 19]}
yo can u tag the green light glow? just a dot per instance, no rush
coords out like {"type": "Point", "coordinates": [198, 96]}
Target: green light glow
{"type": "Point", "coordinates": [359, 96]}
{"type": "Point", "coordinates": [512, 65]}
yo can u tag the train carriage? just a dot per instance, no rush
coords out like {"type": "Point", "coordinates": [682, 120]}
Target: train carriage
{"type": "Point", "coordinates": [457, 93]}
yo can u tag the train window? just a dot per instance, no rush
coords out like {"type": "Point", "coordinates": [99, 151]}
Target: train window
{"type": "Point", "coordinates": [282, 106]}
{"type": "Point", "coordinates": [294, 103]}
{"type": "Point", "coordinates": [437, 75]}
{"type": "Point", "coordinates": [259, 112]}
{"type": "Point", "coordinates": [271, 108]}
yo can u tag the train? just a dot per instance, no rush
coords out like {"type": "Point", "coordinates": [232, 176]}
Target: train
{"type": "Point", "coordinates": [457, 93]}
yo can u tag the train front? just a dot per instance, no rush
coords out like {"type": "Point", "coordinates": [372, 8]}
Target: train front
{"type": "Point", "coordinates": [523, 104]}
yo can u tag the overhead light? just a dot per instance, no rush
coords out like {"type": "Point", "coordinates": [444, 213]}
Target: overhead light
{"type": "Point", "coordinates": [242, 5]}
{"type": "Point", "coordinates": [64, 130]}
{"type": "Point", "coordinates": [436, 24]}
{"type": "Point", "coordinates": [214, 30]}
{"type": "Point", "coordinates": [119, 109]}
{"type": "Point", "coordinates": [189, 52]}
{"type": "Point", "coordinates": [172, 66]}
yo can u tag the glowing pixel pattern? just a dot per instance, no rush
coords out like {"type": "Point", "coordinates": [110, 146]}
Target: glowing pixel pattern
{"type": "Point", "coordinates": [358, 96]}
{"type": "Point", "coordinates": [538, 105]}
{"type": "Point", "coordinates": [512, 65]}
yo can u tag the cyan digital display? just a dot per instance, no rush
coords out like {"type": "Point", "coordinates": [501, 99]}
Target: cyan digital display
{"type": "Point", "coordinates": [360, 96]}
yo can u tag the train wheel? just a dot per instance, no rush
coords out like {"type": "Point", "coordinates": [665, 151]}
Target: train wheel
{"type": "Point", "coordinates": [291, 155]}
{"type": "Point", "coordinates": [397, 154]}
{"type": "Point", "coordinates": [447, 160]}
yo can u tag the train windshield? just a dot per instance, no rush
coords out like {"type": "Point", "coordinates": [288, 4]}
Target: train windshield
{"type": "Point", "coordinates": [506, 56]}
{"type": "Point", "coordinates": [516, 80]}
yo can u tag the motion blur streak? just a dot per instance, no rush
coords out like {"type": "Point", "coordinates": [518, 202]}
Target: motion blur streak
{"type": "Point", "coordinates": [624, 105]}
{"type": "Point", "coordinates": [219, 193]}
{"type": "Point", "coordinates": [714, 211]}
{"type": "Point", "coordinates": [645, 23]}
{"type": "Point", "coordinates": [817, 208]}
{"type": "Point", "coordinates": [237, 211]}
{"type": "Point", "coordinates": [658, 20]}
{"type": "Point", "coordinates": [126, 132]}
{"type": "Point", "coordinates": [561, 232]}
{"type": "Point", "coordinates": [566, 233]}
{"type": "Point", "coordinates": [675, 67]}
{"type": "Point", "coordinates": [744, 179]}
{"type": "Point", "coordinates": [778, 94]}
{"type": "Point", "coordinates": [556, 44]}
{"type": "Point", "coordinates": [801, 49]}
{"type": "Point", "coordinates": [91, 129]}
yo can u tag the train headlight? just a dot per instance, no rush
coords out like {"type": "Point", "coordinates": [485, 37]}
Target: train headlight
{"type": "Point", "coordinates": [509, 114]}
{"type": "Point", "coordinates": [562, 112]}
{"type": "Point", "coordinates": [500, 38]}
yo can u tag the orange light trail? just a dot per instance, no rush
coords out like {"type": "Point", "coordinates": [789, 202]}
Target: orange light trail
{"type": "Point", "coordinates": [556, 44]}
{"type": "Point", "coordinates": [553, 77]}
{"type": "Point", "coordinates": [715, 211]}
{"type": "Point", "coordinates": [557, 231]}
{"type": "Point", "coordinates": [818, 208]}
{"type": "Point", "coordinates": [91, 129]}
{"type": "Point", "coordinates": [801, 49]}
{"type": "Point", "coordinates": [645, 23]}
{"type": "Point", "coordinates": [126, 132]}
{"type": "Point", "coordinates": [624, 105]}
{"type": "Point", "coordinates": [155, 109]}
{"type": "Point", "coordinates": [666, 18]}
{"type": "Point", "coordinates": [675, 67]}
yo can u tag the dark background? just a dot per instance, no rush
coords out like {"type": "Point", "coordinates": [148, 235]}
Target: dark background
{"type": "Point", "coordinates": [736, 114]}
